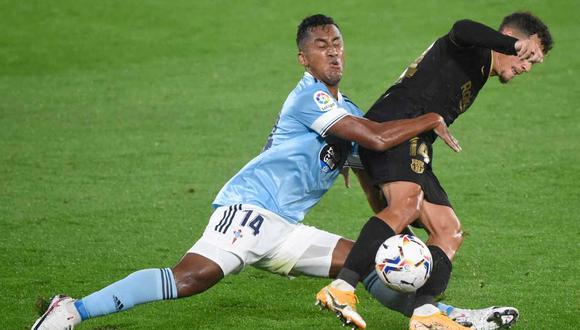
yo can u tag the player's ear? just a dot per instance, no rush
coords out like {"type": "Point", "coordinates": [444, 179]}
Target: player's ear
{"type": "Point", "coordinates": [508, 31]}
{"type": "Point", "coordinates": [302, 59]}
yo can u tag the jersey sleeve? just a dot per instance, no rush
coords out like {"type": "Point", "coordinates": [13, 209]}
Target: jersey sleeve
{"type": "Point", "coordinates": [317, 110]}
{"type": "Point", "coordinates": [357, 111]}
{"type": "Point", "coordinates": [467, 33]}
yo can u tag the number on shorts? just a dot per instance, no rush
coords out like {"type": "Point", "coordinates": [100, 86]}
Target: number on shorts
{"type": "Point", "coordinates": [229, 216]}
{"type": "Point", "coordinates": [255, 224]}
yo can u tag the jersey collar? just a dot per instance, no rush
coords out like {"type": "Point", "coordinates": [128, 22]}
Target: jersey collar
{"type": "Point", "coordinates": [311, 77]}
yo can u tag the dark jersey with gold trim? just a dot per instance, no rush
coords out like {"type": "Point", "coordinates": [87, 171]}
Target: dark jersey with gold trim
{"type": "Point", "coordinates": [447, 77]}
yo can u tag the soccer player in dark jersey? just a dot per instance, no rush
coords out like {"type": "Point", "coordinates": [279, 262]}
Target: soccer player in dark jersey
{"type": "Point", "coordinates": [445, 79]}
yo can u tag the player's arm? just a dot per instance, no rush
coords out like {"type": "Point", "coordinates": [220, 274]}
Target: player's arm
{"type": "Point", "coordinates": [383, 136]}
{"type": "Point", "coordinates": [467, 33]}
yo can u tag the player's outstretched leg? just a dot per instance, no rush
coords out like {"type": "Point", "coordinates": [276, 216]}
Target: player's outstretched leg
{"type": "Point", "coordinates": [193, 274]}
{"type": "Point", "coordinates": [401, 302]}
{"type": "Point", "coordinates": [490, 318]}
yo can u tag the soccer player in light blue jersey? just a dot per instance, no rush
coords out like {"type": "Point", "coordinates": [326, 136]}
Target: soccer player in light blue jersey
{"type": "Point", "coordinates": [258, 214]}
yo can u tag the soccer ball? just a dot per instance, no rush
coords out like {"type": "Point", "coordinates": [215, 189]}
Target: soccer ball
{"type": "Point", "coordinates": [403, 263]}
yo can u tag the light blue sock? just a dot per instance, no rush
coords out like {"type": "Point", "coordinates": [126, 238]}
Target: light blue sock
{"type": "Point", "coordinates": [397, 301]}
{"type": "Point", "coordinates": [447, 309]}
{"type": "Point", "coordinates": [139, 287]}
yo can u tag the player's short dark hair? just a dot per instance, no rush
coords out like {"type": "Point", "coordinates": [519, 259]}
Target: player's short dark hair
{"type": "Point", "coordinates": [529, 24]}
{"type": "Point", "coordinates": [310, 23]}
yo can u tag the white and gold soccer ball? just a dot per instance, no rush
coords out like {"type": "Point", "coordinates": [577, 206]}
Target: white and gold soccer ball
{"type": "Point", "coordinates": [403, 263]}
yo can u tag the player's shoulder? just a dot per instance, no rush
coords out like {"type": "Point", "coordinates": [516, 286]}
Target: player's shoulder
{"type": "Point", "coordinates": [310, 93]}
{"type": "Point", "coordinates": [351, 105]}
{"type": "Point", "coordinates": [349, 101]}
{"type": "Point", "coordinates": [308, 87]}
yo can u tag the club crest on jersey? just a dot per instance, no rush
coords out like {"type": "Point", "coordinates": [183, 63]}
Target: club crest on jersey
{"type": "Point", "coordinates": [237, 235]}
{"type": "Point", "coordinates": [324, 101]}
{"type": "Point", "coordinates": [328, 161]}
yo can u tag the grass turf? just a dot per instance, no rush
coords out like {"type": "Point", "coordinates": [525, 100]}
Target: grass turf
{"type": "Point", "coordinates": [120, 121]}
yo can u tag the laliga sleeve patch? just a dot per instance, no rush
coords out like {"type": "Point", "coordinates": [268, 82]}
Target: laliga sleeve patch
{"type": "Point", "coordinates": [324, 101]}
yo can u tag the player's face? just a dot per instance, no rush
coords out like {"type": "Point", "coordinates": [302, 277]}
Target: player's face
{"type": "Point", "coordinates": [323, 55]}
{"type": "Point", "coordinates": [508, 66]}
{"type": "Point", "coordinates": [511, 66]}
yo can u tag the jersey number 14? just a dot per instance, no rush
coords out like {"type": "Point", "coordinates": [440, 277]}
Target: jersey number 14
{"type": "Point", "coordinates": [229, 217]}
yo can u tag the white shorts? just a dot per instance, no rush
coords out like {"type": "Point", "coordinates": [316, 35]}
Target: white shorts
{"type": "Point", "coordinates": [242, 234]}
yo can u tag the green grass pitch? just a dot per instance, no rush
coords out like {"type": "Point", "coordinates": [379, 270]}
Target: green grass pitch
{"type": "Point", "coordinates": [121, 120]}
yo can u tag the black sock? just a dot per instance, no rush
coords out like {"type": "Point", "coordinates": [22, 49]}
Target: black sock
{"type": "Point", "coordinates": [361, 259]}
{"type": "Point", "coordinates": [437, 282]}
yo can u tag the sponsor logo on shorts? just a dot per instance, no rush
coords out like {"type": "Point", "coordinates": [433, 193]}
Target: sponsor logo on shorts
{"type": "Point", "coordinates": [324, 101]}
{"type": "Point", "coordinates": [328, 160]}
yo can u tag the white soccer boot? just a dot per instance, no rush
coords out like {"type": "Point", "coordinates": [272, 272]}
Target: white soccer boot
{"type": "Point", "coordinates": [491, 318]}
{"type": "Point", "coordinates": [60, 315]}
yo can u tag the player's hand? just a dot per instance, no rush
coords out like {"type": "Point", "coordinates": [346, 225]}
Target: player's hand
{"type": "Point", "coordinates": [529, 49]}
{"type": "Point", "coordinates": [345, 171]}
{"type": "Point", "coordinates": [443, 132]}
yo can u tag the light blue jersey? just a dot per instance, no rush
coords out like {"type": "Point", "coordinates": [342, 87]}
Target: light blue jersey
{"type": "Point", "coordinates": [300, 162]}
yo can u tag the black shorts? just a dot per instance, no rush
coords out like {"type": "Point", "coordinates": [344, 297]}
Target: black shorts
{"type": "Point", "coordinates": [410, 161]}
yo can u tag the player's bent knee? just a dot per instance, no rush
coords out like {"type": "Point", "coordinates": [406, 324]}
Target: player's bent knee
{"type": "Point", "coordinates": [195, 281]}
{"type": "Point", "coordinates": [454, 243]}
{"type": "Point", "coordinates": [455, 239]}
{"type": "Point", "coordinates": [458, 238]}
{"type": "Point", "coordinates": [195, 274]}
{"type": "Point", "coordinates": [401, 214]}
{"type": "Point", "coordinates": [339, 255]}
{"type": "Point", "coordinates": [448, 228]}
{"type": "Point", "coordinates": [449, 241]}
